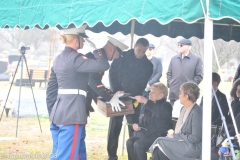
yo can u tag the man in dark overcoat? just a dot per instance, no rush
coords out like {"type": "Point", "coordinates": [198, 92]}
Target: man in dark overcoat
{"type": "Point", "coordinates": [184, 67]}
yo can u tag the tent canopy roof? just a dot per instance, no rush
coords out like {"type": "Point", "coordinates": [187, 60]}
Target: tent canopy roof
{"type": "Point", "coordinates": [173, 18]}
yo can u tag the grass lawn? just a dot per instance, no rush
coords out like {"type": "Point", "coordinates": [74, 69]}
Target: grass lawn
{"type": "Point", "coordinates": [31, 142]}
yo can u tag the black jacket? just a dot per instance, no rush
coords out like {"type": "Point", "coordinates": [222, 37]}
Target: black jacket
{"type": "Point", "coordinates": [130, 74]}
{"type": "Point", "coordinates": [235, 107]}
{"type": "Point", "coordinates": [236, 112]}
{"type": "Point", "coordinates": [156, 118]}
{"type": "Point", "coordinates": [216, 117]}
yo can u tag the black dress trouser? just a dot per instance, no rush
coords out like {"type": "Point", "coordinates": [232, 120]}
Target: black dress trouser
{"type": "Point", "coordinates": [137, 147]}
{"type": "Point", "coordinates": [159, 155]}
{"type": "Point", "coordinates": [115, 126]}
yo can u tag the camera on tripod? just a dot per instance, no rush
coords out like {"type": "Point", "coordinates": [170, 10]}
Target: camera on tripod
{"type": "Point", "coordinates": [23, 49]}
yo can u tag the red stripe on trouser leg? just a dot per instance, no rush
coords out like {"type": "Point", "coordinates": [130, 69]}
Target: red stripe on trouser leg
{"type": "Point", "coordinates": [75, 137]}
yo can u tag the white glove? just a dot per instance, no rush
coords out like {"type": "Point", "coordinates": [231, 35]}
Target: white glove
{"type": "Point", "coordinates": [115, 102]}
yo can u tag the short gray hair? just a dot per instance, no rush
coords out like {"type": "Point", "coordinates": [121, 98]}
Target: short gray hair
{"type": "Point", "coordinates": [192, 90]}
{"type": "Point", "coordinates": [161, 88]}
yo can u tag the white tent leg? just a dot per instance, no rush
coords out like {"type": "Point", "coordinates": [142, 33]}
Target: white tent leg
{"type": "Point", "coordinates": [123, 135]}
{"type": "Point", "coordinates": [215, 53]}
{"type": "Point", "coordinates": [132, 32]}
{"type": "Point", "coordinates": [124, 119]}
{"type": "Point", "coordinates": [207, 111]}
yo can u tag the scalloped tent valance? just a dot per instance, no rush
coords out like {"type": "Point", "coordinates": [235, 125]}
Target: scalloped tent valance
{"type": "Point", "coordinates": [172, 18]}
{"type": "Point", "coordinates": [29, 13]}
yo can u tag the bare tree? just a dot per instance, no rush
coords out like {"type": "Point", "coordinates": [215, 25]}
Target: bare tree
{"type": "Point", "coordinates": [54, 43]}
{"type": "Point", "coordinates": [16, 36]}
{"type": "Point", "coordinates": [171, 43]}
{"type": "Point", "coordinates": [11, 36]}
{"type": "Point", "coordinates": [198, 47]}
{"type": "Point", "coordinates": [225, 52]}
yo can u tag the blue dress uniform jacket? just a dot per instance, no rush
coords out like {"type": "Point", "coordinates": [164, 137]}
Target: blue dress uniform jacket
{"type": "Point", "coordinates": [95, 86]}
{"type": "Point", "coordinates": [71, 71]}
{"type": "Point", "coordinates": [95, 80]}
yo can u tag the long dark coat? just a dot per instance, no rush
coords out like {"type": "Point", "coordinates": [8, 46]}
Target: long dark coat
{"type": "Point", "coordinates": [156, 118]}
{"type": "Point", "coordinates": [188, 69]}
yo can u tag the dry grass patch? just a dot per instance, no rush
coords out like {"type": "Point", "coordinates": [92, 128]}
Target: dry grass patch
{"type": "Point", "coordinates": [31, 142]}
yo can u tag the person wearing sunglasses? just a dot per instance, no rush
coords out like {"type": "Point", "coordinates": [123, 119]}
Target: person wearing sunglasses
{"type": "Point", "coordinates": [183, 67]}
{"type": "Point", "coordinates": [111, 50]}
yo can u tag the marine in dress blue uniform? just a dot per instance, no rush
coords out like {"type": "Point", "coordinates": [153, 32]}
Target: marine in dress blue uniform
{"type": "Point", "coordinates": [112, 50]}
{"type": "Point", "coordinates": [66, 96]}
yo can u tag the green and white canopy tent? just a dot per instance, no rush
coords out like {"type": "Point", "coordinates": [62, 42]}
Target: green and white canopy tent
{"type": "Point", "coordinates": [166, 17]}
{"type": "Point", "coordinates": [208, 19]}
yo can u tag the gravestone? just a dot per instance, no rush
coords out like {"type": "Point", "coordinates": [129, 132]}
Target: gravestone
{"type": "Point", "coordinates": [27, 107]}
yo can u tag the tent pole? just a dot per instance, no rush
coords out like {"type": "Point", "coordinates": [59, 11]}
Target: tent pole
{"type": "Point", "coordinates": [207, 93]}
{"type": "Point", "coordinates": [132, 31]}
{"type": "Point", "coordinates": [124, 119]}
{"type": "Point", "coordinates": [215, 53]}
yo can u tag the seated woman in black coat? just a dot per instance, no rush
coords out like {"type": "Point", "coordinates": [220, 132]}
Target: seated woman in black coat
{"type": "Point", "coordinates": [155, 120]}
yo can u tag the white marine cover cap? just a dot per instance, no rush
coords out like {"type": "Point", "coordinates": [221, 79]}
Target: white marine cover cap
{"type": "Point", "coordinates": [76, 31]}
{"type": "Point", "coordinates": [117, 43]}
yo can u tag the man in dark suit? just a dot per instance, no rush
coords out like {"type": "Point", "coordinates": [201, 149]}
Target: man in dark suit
{"type": "Point", "coordinates": [216, 117]}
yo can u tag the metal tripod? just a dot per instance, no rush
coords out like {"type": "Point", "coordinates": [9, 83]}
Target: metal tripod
{"type": "Point", "coordinates": [21, 59]}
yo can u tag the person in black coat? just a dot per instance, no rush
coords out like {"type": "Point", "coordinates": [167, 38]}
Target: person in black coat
{"type": "Point", "coordinates": [130, 74]}
{"type": "Point", "coordinates": [235, 104]}
{"type": "Point", "coordinates": [155, 121]}
{"type": "Point", "coordinates": [216, 117]}
{"type": "Point", "coordinates": [235, 93]}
